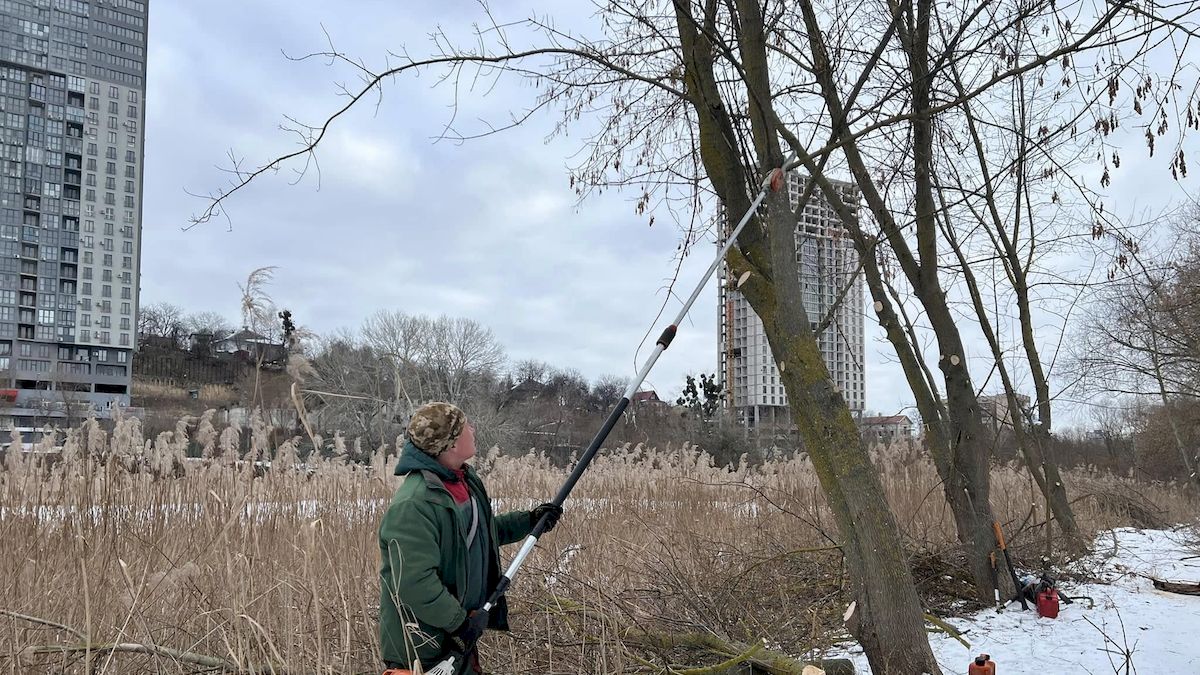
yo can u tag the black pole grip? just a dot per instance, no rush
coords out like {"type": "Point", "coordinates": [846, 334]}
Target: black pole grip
{"type": "Point", "coordinates": [668, 334]}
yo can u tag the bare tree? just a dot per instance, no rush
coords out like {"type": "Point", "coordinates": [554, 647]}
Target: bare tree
{"type": "Point", "coordinates": [162, 320]}
{"type": "Point", "coordinates": [371, 382]}
{"type": "Point", "coordinates": [1143, 336]}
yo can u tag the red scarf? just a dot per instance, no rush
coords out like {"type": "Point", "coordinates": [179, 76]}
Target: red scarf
{"type": "Point", "coordinates": [457, 486]}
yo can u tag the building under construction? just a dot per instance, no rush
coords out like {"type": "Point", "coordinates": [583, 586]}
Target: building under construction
{"type": "Point", "coordinates": [827, 263]}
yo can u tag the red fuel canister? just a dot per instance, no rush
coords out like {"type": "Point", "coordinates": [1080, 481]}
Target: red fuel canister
{"type": "Point", "coordinates": [982, 665]}
{"type": "Point", "coordinates": [1047, 603]}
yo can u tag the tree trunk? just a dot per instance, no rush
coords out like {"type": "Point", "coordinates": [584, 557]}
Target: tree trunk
{"type": "Point", "coordinates": [888, 621]}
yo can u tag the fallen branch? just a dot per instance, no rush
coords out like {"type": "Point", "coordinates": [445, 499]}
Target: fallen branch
{"type": "Point", "coordinates": [947, 629]}
{"type": "Point", "coordinates": [177, 655]}
{"type": "Point", "coordinates": [44, 622]}
{"type": "Point", "coordinates": [86, 646]}
{"type": "Point", "coordinates": [1180, 587]}
{"type": "Point", "coordinates": [764, 660]}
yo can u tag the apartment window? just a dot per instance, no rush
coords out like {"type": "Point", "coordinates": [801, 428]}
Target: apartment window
{"type": "Point", "coordinates": [129, 186]}
{"type": "Point", "coordinates": [132, 112]}
{"type": "Point", "coordinates": [124, 324]}
{"type": "Point", "coordinates": [86, 288]}
{"type": "Point", "coordinates": [105, 322]}
{"type": "Point", "coordinates": [130, 156]}
{"type": "Point", "coordinates": [112, 138]}
{"type": "Point", "coordinates": [85, 335]}
{"type": "Point", "coordinates": [112, 122]}
{"type": "Point", "coordinates": [125, 308]}
{"type": "Point", "coordinates": [106, 275]}
{"type": "Point", "coordinates": [131, 139]}
{"type": "Point", "coordinates": [127, 262]}
{"type": "Point", "coordinates": [85, 320]}
{"type": "Point", "coordinates": [110, 183]}
{"type": "Point", "coordinates": [113, 108]}
{"type": "Point", "coordinates": [91, 150]}
{"type": "Point", "coordinates": [106, 291]}
{"type": "Point", "coordinates": [129, 201]}
{"type": "Point", "coordinates": [130, 172]}
{"type": "Point", "coordinates": [125, 293]}
{"type": "Point", "coordinates": [124, 343]}
{"type": "Point", "coordinates": [111, 169]}
{"type": "Point", "coordinates": [113, 92]}
{"type": "Point", "coordinates": [122, 357]}
{"type": "Point", "coordinates": [133, 96]}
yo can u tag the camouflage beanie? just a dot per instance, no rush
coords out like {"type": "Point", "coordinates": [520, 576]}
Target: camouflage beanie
{"type": "Point", "coordinates": [435, 427]}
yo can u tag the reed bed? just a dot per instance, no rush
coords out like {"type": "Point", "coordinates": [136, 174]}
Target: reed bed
{"type": "Point", "coordinates": [124, 555]}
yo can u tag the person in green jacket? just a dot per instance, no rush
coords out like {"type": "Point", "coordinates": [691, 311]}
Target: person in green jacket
{"type": "Point", "coordinates": [439, 543]}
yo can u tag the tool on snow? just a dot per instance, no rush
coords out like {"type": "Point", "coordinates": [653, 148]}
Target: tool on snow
{"type": "Point", "coordinates": [1046, 597]}
{"type": "Point", "coordinates": [1008, 561]}
{"type": "Point", "coordinates": [996, 582]}
{"type": "Point", "coordinates": [457, 663]}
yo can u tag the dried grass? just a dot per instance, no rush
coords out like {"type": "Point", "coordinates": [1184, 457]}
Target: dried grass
{"type": "Point", "coordinates": [124, 540]}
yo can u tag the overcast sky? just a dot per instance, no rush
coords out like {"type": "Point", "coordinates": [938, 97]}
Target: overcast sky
{"type": "Point", "coordinates": [487, 230]}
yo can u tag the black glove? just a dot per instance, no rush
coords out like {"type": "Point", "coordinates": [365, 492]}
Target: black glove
{"type": "Point", "coordinates": [471, 629]}
{"type": "Point", "coordinates": [551, 511]}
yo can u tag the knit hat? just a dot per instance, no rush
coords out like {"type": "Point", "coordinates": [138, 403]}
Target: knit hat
{"type": "Point", "coordinates": [435, 427]}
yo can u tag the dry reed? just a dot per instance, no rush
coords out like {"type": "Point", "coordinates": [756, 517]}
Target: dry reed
{"type": "Point", "coordinates": [121, 542]}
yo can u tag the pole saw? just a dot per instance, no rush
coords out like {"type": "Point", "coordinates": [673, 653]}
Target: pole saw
{"type": "Point", "coordinates": [458, 663]}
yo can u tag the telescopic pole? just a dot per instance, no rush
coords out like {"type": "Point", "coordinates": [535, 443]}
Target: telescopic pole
{"type": "Point", "coordinates": [772, 183]}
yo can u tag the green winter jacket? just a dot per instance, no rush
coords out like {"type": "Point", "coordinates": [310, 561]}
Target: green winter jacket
{"type": "Point", "coordinates": [424, 560]}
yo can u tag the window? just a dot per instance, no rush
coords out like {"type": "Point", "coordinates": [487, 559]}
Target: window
{"type": "Point", "coordinates": [113, 92]}
{"type": "Point", "coordinates": [130, 172]}
{"type": "Point", "coordinates": [132, 112]}
{"type": "Point", "coordinates": [113, 108]}
{"type": "Point", "coordinates": [125, 293]}
{"type": "Point", "coordinates": [124, 343]}
{"type": "Point", "coordinates": [85, 320]}
{"type": "Point", "coordinates": [111, 169]}
{"type": "Point", "coordinates": [91, 149]}
{"type": "Point", "coordinates": [122, 357]}
{"type": "Point", "coordinates": [125, 308]}
{"type": "Point", "coordinates": [124, 324]}
{"type": "Point", "coordinates": [112, 138]}
{"type": "Point", "coordinates": [106, 291]}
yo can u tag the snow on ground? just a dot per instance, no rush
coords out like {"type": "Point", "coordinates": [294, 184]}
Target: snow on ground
{"type": "Point", "coordinates": [1162, 630]}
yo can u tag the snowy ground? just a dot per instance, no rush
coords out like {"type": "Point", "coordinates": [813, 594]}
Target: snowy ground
{"type": "Point", "coordinates": [1161, 630]}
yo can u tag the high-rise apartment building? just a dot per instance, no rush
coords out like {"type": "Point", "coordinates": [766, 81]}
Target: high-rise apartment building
{"type": "Point", "coordinates": [72, 110]}
{"type": "Point", "coordinates": [827, 263]}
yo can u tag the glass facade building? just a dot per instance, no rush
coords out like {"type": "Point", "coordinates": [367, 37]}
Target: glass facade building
{"type": "Point", "coordinates": [72, 109]}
